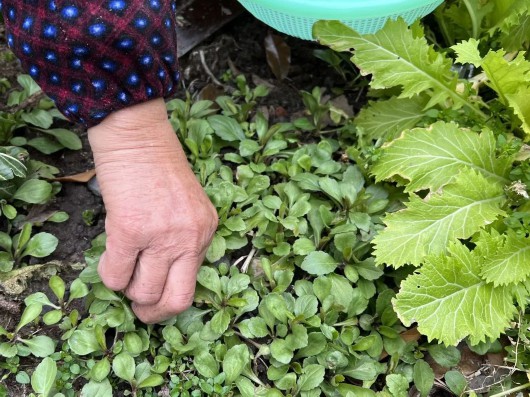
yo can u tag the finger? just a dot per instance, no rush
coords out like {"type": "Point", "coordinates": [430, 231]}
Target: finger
{"type": "Point", "coordinates": [178, 292]}
{"type": "Point", "coordinates": [117, 263]}
{"type": "Point", "coordinates": [149, 277]}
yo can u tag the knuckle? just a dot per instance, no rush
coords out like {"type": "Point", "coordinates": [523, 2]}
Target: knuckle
{"type": "Point", "coordinates": [180, 303]}
{"type": "Point", "coordinates": [114, 282]}
{"type": "Point", "coordinates": [141, 297]}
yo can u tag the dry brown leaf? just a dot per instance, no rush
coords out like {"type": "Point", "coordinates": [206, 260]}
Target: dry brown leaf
{"type": "Point", "coordinates": [82, 177]}
{"type": "Point", "coordinates": [278, 55]}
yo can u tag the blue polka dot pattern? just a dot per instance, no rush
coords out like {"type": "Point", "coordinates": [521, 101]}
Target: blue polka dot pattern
{"type": "Point", "coordinates": [95, 57]}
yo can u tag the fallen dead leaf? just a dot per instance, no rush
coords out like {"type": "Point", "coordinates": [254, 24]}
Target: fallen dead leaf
{"type": "Point", "coordinates": [278, 55]}
{"type": "Point", "coordinates": [82, 177]}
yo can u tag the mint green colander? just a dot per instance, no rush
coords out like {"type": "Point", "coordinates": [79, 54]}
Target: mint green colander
{"type": "Point", "coordinates": [296, 17]}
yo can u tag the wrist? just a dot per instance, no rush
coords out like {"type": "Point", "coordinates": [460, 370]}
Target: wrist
{"type": "Point", "coordinates": [140, 126]}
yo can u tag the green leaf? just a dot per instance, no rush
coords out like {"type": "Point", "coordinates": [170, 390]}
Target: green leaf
{"type": "Point", "coordinates": [521, 107]}
{"type": "Point", "coordinates": [217, 249]}
{"type": "Point", "coordinates": [100, 370]}
{"type": "Point", "coordinates": [397, 384]}
{"type": "Point", "coordinates": [34, 191]}
{"type": "Point", "coordinates": [123, 366]}
{"type": "Point", "coordinates": [258, 327]}
{"type": "Point", "coordinates": [31, 312]}
{"type": "Point", "coordinates": [43, 378]}
{"type": "Point", "coordinates": [41, 245]}
{"type": "Point", "coordinates": [281, 351]}
{"type": "Point", "coordinates": [8, 350]}
{"type": "Point", "coordinates": [132, 343]}
{"type": "Point", "coordinates": [303, 246]}
{"type": "Point", "coordinates": [318, 263]}
{"type": "Point", "coordinates": [235, 360]}
{"type": "Point", "coordinates": [29, 85]}
{"type": "Point", "coordinates": [45, 145]}
{"type": "Point", "coordinates": [206, 364]}
{"type": "Point", "coordinates": [78, 290]}
{"type": "Point", "coordinates": [11, 167]}
{"type": "Point", "coordinates": [38, 117]}
{"type": "Point", "coordinates": [52, 317]}
{"type": "Point", "coordinates": [396, 56]}
{"type": "Point", "coordinates": [387, 119]}
{"type": "Point", "coordinates": [277, 306]}
{"type": "Point", "coordinates": [448, 299]}
{"type": "Point", "coordinates": [508, 259]}
{"type": "Point", "coordinates": [312, 376]}
{"type": "Point", "coordinates": [97, 389]}
{"type": "Point", "coordinates": [40, 346]}
{"type": "Point", "coordinates": [65, 137]}
{"type": "Point", "coordinates": [467, 52]}
{"type": "Point", "coordinates": [57, 285]}
{"type": "Point", "coordinates": [431, 157]}
{"type": "Point", "coordinates": [427, 226]}
{"type": "Point", "coordinates": [446, 356]}
{"type": "Point", "coordinates": [226, 128]}
{"type": "Point", "coordinates": [220, 321]}
{"type": "Point", "coordinates": [83, 342]}
{"type": "Point", "coordinates": [152, 380]}
{"type": "Point", "coordinates": [423, 377]}
{"type": "Point", "coordinates": [306, 306]}
{"type": "Point", "coordinates": [456, 382]}
{"type": "Point", "coordinates": [209, 279]}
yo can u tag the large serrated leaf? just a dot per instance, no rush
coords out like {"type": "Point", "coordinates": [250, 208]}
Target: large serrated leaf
{"type": "Point", "coordinates": [388, 118]}
{"type": "Point", "coordinates": [507, 260]}
{"type": "Point", "coordinates": [428, 225]}
{"type": "Point", "coordinates": [450, 301]}
{"type": "Point", "coordinates": [521, 106]}
{"type": "Point", "coordinates": [397, 56]}
{"type": "Point", "coordinates": [431, 157]}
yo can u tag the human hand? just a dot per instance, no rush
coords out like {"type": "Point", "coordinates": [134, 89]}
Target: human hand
{"type": "Point", "coordinates": [159, 220]}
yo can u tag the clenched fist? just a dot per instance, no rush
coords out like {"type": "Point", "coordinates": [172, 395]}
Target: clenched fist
{"type": "Point", "coordinates": [159, 220]}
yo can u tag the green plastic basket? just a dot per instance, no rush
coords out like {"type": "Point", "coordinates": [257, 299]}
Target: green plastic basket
{"type": "Point", "coordinates": [296, 17]}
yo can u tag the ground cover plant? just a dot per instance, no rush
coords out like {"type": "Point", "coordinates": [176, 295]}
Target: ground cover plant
{"type": "Point", "coordinates": [338, 234]}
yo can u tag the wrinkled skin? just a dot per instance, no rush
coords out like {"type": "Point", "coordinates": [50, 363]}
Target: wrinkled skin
{"type": "Point", "coordinates": [159, 220]}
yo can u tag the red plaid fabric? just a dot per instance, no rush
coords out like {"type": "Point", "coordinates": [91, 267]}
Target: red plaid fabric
{"type": "Point", "coordinates": [95, 57]}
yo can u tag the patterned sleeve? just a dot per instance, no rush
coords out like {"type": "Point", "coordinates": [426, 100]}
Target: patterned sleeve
{"type": "Point", "coordinates": [95, 57]}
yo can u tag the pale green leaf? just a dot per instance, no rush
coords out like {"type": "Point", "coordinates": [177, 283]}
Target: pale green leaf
{"type": "Point", "coordinates": [396, 56]}
{"type": "Point", "coordinates": [450, 301]}
{"type": "Point", "coordinates": [34, 191]}
{"type": "Point", "coordinates": [83, 342]}
{"type": "Point", "coordinates": [312, 376]}
{"type": "Point", "coordinates": [386, 119]}
{"type": "Point", "coordinates": [428, 225]}
{"type": "Point", "coordinates": [505, 77]}
{"type": "Point", "coordinates": [97, 389]}
{"type": "Point", "coordinates": [467, 52]}
{"type": "Point", "coordinates": [235, 360]}
{"type": "Point", "coordinates": [40, 346]}
{"type": "Point", "coordinates": [319, 263]}
{"type": "Point", "coordinates": [431, 157]}
{"type": "Point", "coordinates": [521, 106]}
{"type": "Point", "coordinates": [43, 378]}
{"type": "Point", "coordinates": [509, 260]}
{"type": "Point", "coordinates": [123, 366]}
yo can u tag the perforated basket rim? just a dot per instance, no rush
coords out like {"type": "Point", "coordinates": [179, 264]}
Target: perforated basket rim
{"type": "Point", "coordinates": [340, 9]}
